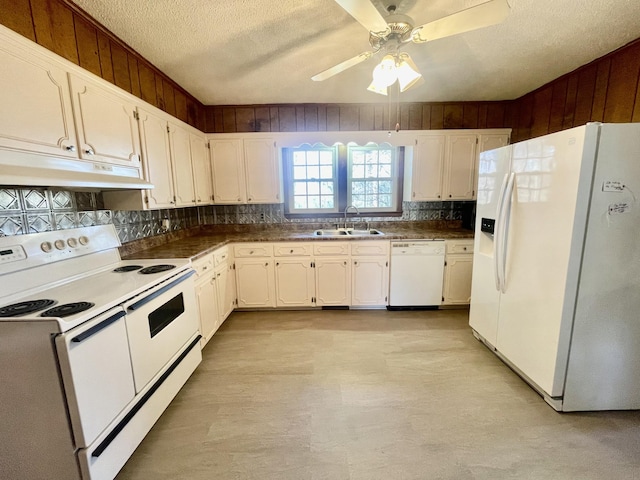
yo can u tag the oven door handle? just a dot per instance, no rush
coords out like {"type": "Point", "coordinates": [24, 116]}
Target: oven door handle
{"type": "Point", "coordinates": [96, 328]}
{"type": "Point", "coordinates": [160, 291]}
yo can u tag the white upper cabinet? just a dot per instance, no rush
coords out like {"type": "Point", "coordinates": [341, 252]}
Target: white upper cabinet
{"type": "Point", "coordinates": [36, 104]}
{"type": "Point", "coordinates": [228, 172]}
{"type": "Point", "coordinates": [245, 170]}
{"type": "Point", "coordinates": [261, 171]}
{"type": "Point", "coordinates": [424, 171]}
{"type": "Point", "coordinates": [179, 143]}
{"type": "Point", "coordinates": [156, 159]}
{"type": "Point", "coordinates": [459, 172]}
{"type": "Point", "coordinates": [106, 123]}
{"type": "Point", "coordinates": [201, 169]}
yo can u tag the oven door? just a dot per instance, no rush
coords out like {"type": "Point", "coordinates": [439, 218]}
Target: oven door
{"type": "Point", "coordinates": [159, 324]}
{"type": "Point", "coordinates": [96, 371]}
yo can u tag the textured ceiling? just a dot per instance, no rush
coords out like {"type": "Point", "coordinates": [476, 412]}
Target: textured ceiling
{"type": "Point", "coordinates": [264, 51]}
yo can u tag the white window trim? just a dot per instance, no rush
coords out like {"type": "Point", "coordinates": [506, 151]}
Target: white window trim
{"type": "Point", "coordinates": [290, 197]}
{"type": "Point", "coordinates": [394, 177]}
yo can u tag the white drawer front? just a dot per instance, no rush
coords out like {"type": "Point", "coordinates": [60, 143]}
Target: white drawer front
{"type": "Point", "coordinates": [220, 256]}
{"type": "Point", "coordinates": [203, 265]}
{"type": "Point", "coordinates": [370, 248]}
{"type": "Point", "coordinates": [460, 246]}
{"type": "Point", "coordinates": [299, 249]}
{"type": "Point", "coordinates": [331, 248]}
{"type": "Point", "coordinates": [244, 250]}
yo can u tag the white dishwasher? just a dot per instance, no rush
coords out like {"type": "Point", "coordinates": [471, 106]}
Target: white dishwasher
{"type": "Point", "coordinates": [417, 272]}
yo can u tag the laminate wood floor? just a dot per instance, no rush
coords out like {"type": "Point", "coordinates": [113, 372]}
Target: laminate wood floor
{"type": "Point", "coordinates": [367, 395]}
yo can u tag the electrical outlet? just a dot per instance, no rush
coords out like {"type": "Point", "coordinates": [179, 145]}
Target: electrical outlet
{"type": "Point", "coordinates": [262, 217]}
{"type": "Point", "coordinates": [166, 224]}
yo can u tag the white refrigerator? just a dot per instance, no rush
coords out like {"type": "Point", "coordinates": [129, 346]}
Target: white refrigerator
{"type": "Point", "coordinates": [556, 272]}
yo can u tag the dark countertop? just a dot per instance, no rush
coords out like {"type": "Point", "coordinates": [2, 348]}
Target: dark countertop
{"type": "Point", "coordinates": [209, 239]}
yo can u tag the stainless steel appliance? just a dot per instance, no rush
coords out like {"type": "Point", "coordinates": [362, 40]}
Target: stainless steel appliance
{"type": "Point", "coordinates": [92, 350]}
{"type": "Point", "coordinates": [417, 272]}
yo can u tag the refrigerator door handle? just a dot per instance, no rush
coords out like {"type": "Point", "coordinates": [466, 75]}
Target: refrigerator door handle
{"type": "Point", "coordinates": [504, 232]}
{"type": "Point", "coordinates": [497, 234]}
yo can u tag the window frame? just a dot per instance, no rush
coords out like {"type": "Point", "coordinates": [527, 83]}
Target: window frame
{"type": "Point", "coordinates": [394, 176]}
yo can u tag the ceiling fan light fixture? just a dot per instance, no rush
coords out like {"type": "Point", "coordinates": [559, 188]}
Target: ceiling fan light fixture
{"type": "Point", "coordinates": [407, 72]}
{"type": "Point", "coordinates": [385, 72]}
{"type": "Point", "coordinates": [377, 88]}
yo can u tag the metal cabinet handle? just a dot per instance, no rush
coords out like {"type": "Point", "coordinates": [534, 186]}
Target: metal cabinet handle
{"type": "Point", "coordinates": [96, 328]}
{"type": "Point", "coordinates": [70, 148]}
{"type": "Point", "coordinates": [89, 151]}
{"type": "Point", "coordinates": [277, 264]}
{"type": "Point", "coordinates": [355, 263]}
{"type": "Point", "coordinates": [291, 251]}
{"type": "Point", "coordinates": [345, 262]}
{"type": "Point", "coordinates": [238, 199]}
{"type": "Point", "coordinates": [266, 264]}
{"type": "Point", "coordinates": [205, 267]}
{"type": "Point", "coordinates": [249, 199]}
{"type": "Point", "coordinates": [217, 275]}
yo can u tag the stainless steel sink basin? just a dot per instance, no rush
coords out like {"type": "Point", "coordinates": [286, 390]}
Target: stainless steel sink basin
{"type": "Point", "coordinates": [364, 233]}
{"type": "Point", "coordinates": [331, 233]}
{"type": "Point", "coordinates": [341, 232]}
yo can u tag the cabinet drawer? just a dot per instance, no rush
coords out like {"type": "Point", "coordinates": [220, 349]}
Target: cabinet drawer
{"type": "Point", "coordinates": [299, 249]}
{"type": "Point", "coordinates": [459, 246]}
{"type": "Point", "coordinates": [220, 256]}
{"type": "Point", "coordinates": [331, 248]}
{"type": "Point", "coordinates": [369, 248]}
{"type": "Point", "coordinates": [203, 265]}
{"type": "Point", "coordinates": [245, 250]}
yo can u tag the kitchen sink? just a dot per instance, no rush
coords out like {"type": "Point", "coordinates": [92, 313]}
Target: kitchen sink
{"type": "Point", "coordinates": [342, 232]}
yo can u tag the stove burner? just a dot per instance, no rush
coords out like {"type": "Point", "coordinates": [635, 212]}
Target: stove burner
{"type": "Point", "coordinates": [128, 268]}
{"type": "Point", "coordinates": [156, 269]}
{"type": "Point", "coordinates": [23, 308]}
{"type": "Point", "coordinates": [67, 309]}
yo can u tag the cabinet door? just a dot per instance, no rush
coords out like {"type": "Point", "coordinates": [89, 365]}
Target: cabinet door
{"type": "Point", "coordinates": [221, 273]}
{"type": "Point", "coordinates": [428, 164]}
{"type": "Point", "coordinates": [457, 280]}
{"type": "Point", "coordinates": [179, 143]}
{"type": "Point", "coordinates": [156, 160]}
{"type": "Point", "coordinates": [370, 281]}
{"type": "Point", "coordinates": [36, 105]}
{"type": "Point", "coordinates": [255, 282]}
{"type": "Point", "coordinates": [261, 171]}
{"type": "Point", "coordinates": [333, 281]}
{"type": "Point", "coordinates": [201, 170]}
{"type": "Point", "coordinates": [230, 294]}
{"type": "Point", "coordinates": [295, 282]}
{"type": "Point", "coordinates": [208, 307]}
{"type": "Point", "coordinates": [228, 171]}
{"type": "Point", "coordinates": [106, 124]}
{"type": "Point", "coordinates": [459, 177]}
{"type": "Point", "coordinates": [487, 142]}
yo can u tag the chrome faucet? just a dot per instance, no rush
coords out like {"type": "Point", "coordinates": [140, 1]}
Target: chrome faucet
{"type": "Point", "coordinates": [345, 213]}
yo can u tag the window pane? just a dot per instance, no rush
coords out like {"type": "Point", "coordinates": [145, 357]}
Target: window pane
{"type": "Point", "coordinates": [357, 187]}
{"type": "Point", "coordinates": [384, 187]}
{"type": "Point", "coordinates": [384, 156]}
{"type": "Point", "coordinates": [358, 201]}
{"type": "Point", "coordinates": [357, 171]}
{"type": "Point", "coordinates": [313, 188]}
{"type": "Point", "coordinates": [326, 158]}
{"type": "Point", "coordinates": [313, 157]}
{"type": "Point", "coordinates": [384, 171]}
{"type": "Point", "coordinates": [384, 201]}
{"type": "Point", "coordinates": [371, 202]}
{"type": "Point", "coordinates": [299, 158]}
{"type": "Point", "coordinates": [300, 202]}
{"type": "Point", "coordinates": [372, 171]}
{"type": "Point", "coordinates": [326, 171]}
{"type": "Point", "coordinates": [299, 188]}
{"type": "Point", "coordinates": [313, 172]}
{"type": "Point", "coordinates": [326, 202]}
{"type": "Point", "coordinates": [371, 188]}
{"type": "Point", "coordinates": [326, 188]}
{"type": "Point", "coordinates": [299, 173]}
{"type": "Point", "coordinates": [357, 157]}
{"type": "Point", "coordinates": [371, 158]}
{"type": "Point", "coordinates": [314, 202]}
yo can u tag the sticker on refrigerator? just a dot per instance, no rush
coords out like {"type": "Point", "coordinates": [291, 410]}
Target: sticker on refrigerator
{"type": "Point", "coordinates": [613, 186]}
{"type": "Point", "coordinates": [621, 207]}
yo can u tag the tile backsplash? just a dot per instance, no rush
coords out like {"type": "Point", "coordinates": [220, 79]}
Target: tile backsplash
{"type": "Point", "coordinates": [32, 210]}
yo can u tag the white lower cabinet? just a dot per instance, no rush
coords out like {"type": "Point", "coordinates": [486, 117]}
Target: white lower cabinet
{"type": "Point", "coordinates": [255, 282]}
{"type": "Point", "coordinates": [458, 268]}
{"type": "Point", "coordinates": [207, 296]}
{"type": "Point", "coordinates": [295, 282]}
{"type": "Point", "coordinates": [333, 281]}
{"type": "Point", "coordinates": [370, 281]}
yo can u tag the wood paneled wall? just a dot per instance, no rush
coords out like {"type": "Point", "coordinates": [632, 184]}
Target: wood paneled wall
{"type": "Point", "coordinates": [62, 27]}
{"type": "Point", "coordinates": [343, 117]}
{"type": "Point", "coordinates": [605, 90]}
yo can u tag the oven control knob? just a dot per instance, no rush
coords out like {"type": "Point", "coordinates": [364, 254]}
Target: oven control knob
{"type": "Point", "coordinates": [83, 240]}
{"type": "Point", "coordinates": [72, 242]}
{"type": "Point", "coordinates": [46, 247]}
{"type": "Point", "coordinates": [59, 244]}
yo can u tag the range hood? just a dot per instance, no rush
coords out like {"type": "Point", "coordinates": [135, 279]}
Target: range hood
{"type": "Point", "coordinates": [28, 169]}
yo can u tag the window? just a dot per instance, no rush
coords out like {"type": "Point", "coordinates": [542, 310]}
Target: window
{"type": "Point", "coordinates": [324, 180]}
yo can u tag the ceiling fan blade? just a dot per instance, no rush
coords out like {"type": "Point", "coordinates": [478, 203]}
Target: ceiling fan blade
{"type": "Point", "coordinates": [483, 15]}
{"type": "Point", "coordinates": [330, 72]}
{"type": "Point", "coordinates": [365, 13]}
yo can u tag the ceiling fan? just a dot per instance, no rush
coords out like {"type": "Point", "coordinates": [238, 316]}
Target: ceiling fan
{"type": "Point", "coordinates": [389, 34]}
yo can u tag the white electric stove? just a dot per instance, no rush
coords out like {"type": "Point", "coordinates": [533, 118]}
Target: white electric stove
{"type": "Point", "coordinates": [93, 350]}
